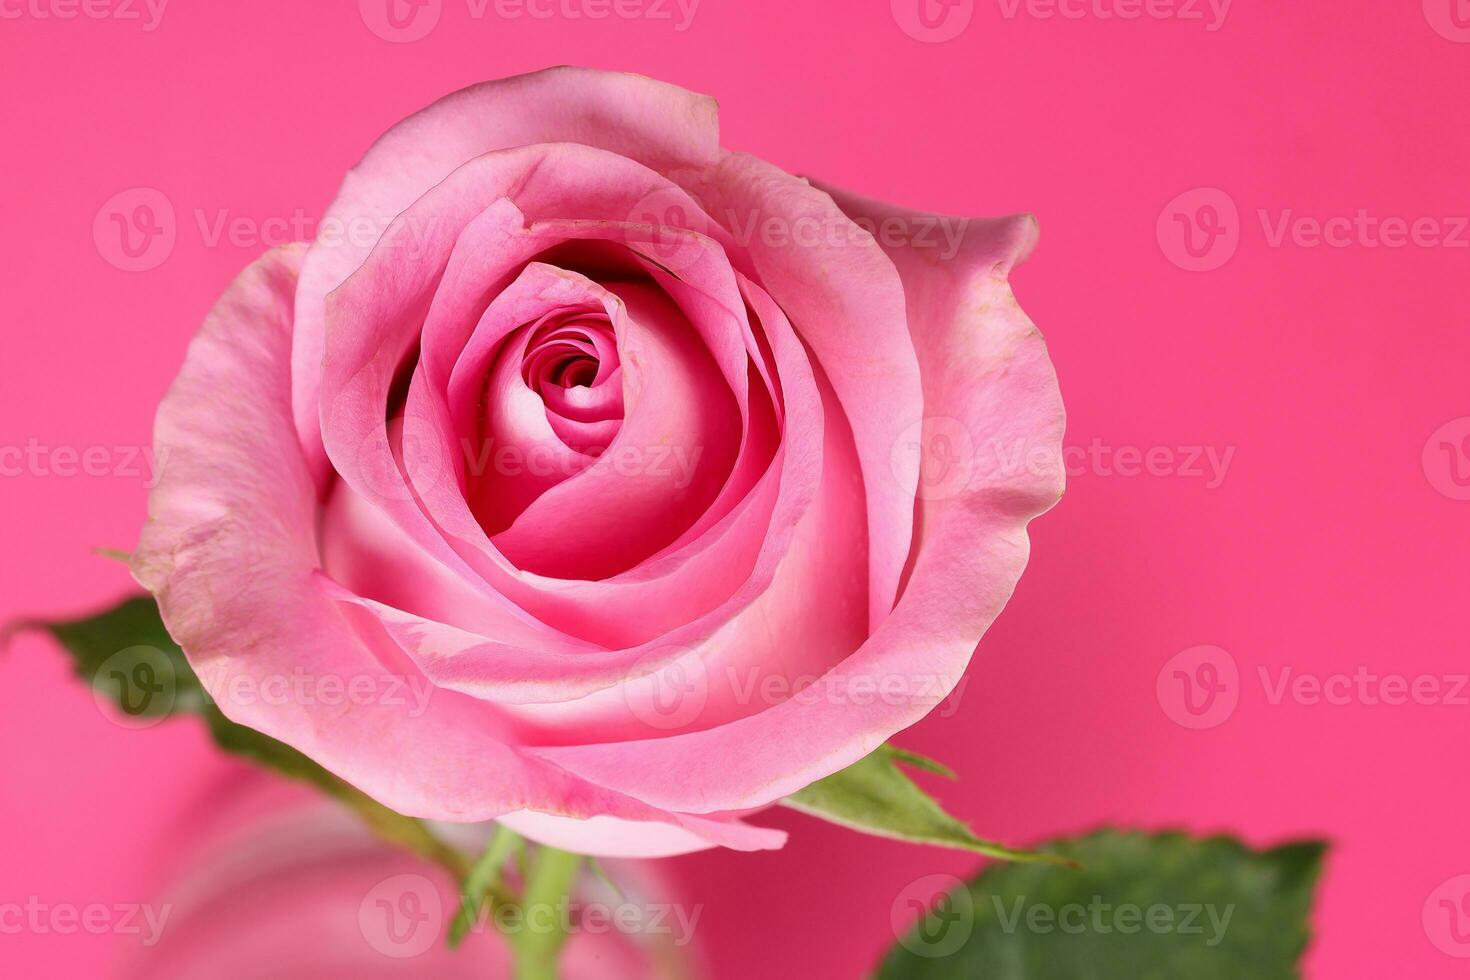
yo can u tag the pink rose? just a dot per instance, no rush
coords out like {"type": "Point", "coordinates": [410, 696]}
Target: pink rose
{"type": "Point", "coordinates": [589, 476]}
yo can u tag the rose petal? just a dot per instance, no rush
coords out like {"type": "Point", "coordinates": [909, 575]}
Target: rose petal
{"type": "Point", "coordinates": [678, 442]}
{"type": "Point", "coordinates": [661, 125]}
{"type": "Point", "coordinates": [373, 340]}
{"type": "Point", "coordinates": [487, 664]}
{"type": "Point", "coordinates": [237, 504]}
{"type": "Point", "coordinates": [986, 370]}
{"type": "Point", "coordinates": [847, 303]}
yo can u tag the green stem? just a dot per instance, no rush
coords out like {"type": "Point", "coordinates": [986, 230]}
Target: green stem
{"type": "Point", "coordinates": [538, 943]}
{"type": "Point", "coordinates": [482, 884]}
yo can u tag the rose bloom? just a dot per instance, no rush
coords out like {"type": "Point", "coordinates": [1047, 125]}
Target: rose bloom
{"type": "Point", "coordinates": [585, 475]}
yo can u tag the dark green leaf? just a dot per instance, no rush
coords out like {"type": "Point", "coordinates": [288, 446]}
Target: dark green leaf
{"type": "Point", "coordinates": [126, 654]}
{"type": "Point", "coordinates": [1144, 907]}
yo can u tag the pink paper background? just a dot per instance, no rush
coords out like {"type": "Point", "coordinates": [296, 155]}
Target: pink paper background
{"type": "Point", "coordinates": [1336, 540]}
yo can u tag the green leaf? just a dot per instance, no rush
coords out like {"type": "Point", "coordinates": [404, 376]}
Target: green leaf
{"type": "Point", "coordinates": [127, 654]}
{"type": "Point", "coordinates": [918, 761]}
{"type": "Point", "coordinates": [1144, 907]}
{"type": "Point", "coordinates": [875, 796]}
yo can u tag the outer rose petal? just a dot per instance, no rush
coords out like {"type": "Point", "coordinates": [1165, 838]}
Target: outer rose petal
{"type": "Point", "coordinates": [230, 551]}
{"type": "Point", "coordinates": [658, 124]}
{"type": "Point", "coordinates": [847, 304]}
{"type": "Point", "coordinates": [615, 838]}
{"type": "Point", "coordinates": [986, 371]}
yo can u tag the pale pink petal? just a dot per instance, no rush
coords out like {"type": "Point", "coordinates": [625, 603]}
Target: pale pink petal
{"type": "Point", "coordinates": [275, 651]}
{"type": "Point", "coordinates": [484, 663]}
{"type": "Point", "coordinates": [986, 375]}
{"type": "Point", "coordinates": [847, 303]}
{"type": "Point", "coordinates": [365, 354]}
{"type": "Point", "coordinates": [660, 125]}
{"type": "Point", "coordinates": [608, 836]}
